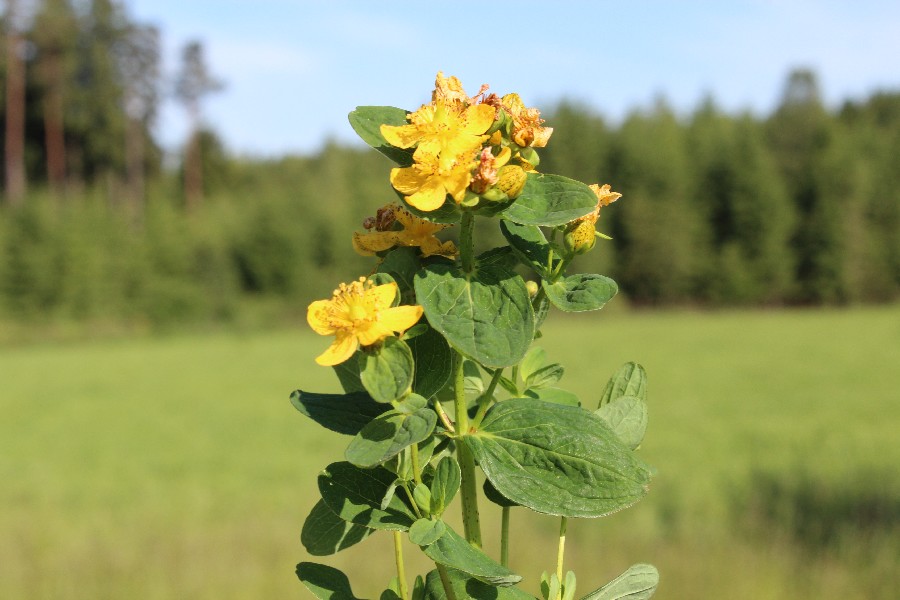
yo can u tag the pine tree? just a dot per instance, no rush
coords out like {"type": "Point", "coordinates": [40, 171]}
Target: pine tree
{"type": "Point", "coordinates": [193, 83]}
{"type": "Point", "coordinates": [55, 34]}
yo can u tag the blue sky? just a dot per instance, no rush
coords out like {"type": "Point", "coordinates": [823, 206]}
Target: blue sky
{"type": "Point", "coordinates": [295, 68]}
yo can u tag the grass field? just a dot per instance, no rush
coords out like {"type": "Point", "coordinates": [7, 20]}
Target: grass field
{"type": "Point", "coordinates": [175, 467]}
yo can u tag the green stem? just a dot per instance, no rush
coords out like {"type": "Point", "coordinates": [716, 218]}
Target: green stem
{"type": "Point", "coordinates": [445, 579]}
{"type": "Point", "coordinates": [484, 400]}
{"type": "Point", "coordinates": [412, 499]}
{"type": "Point", "coordinates": [504, 537]}
{"type": "Point", "coordinates": [466, 243]}
{"type": "Point", "coordinates": [471, 520]}
{"type": "Point", "coordinates": [398, 557]}
{"type": "Point", "coordinates": [459, 398]}
{"type": "Point", "coordinates": [414, 457]}
{"type": "Point", "coordinates": [442, 415]}
{"type": "Point", "coordinates": [562, 547]}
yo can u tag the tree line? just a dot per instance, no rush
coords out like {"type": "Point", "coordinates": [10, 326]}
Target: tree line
{"type": "Point", "coordinates": [797, 207]}
{"type": "Point", "coordinates": [82, 88]}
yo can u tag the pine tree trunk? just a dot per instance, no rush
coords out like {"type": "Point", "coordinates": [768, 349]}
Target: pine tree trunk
{"type": "Point", "coordinates": [193, 166]}
{"type": "Point", "coordinates": [53, 125]}
{"type": "Point", "coordinates": [14, 148]}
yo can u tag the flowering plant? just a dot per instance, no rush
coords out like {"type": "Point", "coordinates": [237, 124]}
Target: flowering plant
{"type": "Point", "coordinates": [436, 324]}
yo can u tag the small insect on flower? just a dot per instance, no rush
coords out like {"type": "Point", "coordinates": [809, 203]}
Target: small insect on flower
{"type": "Point", "coordinates": [359, 314]}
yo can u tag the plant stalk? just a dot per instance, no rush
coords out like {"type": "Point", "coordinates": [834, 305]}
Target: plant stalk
{"type": "Point", "coordinates": [466, 243]}
{"type": "Point", "coordinates": [562, 547]}
{"type": "Point", "coordinates": [484, 401]}
{"type": "Point", "coordinates": [504, 537]}
{"type": "Point", "coordinates": [445, 579]}
{"type": "Point", "coordinates": [414, 457]}
{"type": "Point", "coordinates": [401, 572]}
{"type": "Point", "coordinates": [468, 491]}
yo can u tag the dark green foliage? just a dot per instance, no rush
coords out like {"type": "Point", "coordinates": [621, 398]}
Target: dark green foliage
{"type": "Point", "coordinates": [717, 209]}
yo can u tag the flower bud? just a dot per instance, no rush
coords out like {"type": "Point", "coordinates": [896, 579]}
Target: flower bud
{"type": "Point", "coordinates": [512, 180]}
{"type": "Point", "coordinates": [495, 194]}
{"type": "Point", "coordinates": [532, 287]}
{"type": "Point", "coordinates": [530, 155]}
{"type": "Point", "coordinates": [580, 237]}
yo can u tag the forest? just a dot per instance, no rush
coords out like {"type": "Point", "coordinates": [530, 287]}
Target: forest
{"type": "Point", "coordinates": [799, 207]}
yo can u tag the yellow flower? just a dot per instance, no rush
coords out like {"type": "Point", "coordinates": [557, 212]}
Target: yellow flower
{"type": "Point", "coordinates": [449, 88]}
{"type": "Point", "coordinates": [526, 128]}
{"type": "Point", "coordinates": [605, 195]}
{"type": "Point", "coordinates": [416, 232]}
{"type": "Point", "coordinates": [359, 314]}
{"type": "Point", "coordinates": [427, 182]}
{"type": "Point", "coordinates": [580, 234]}
{"type": "Point", "coordinates": [487, 173]}
{"type": "Point", "coordinates": [443, 127]}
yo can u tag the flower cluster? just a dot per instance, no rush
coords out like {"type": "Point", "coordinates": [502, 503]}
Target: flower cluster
{"type": "Point", "coordinates": [466, 147]}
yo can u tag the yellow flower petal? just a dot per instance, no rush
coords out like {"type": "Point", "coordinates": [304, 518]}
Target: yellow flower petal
{"type": "Point", "coordinates": [367, 244]}
{"type": "Point", "coordinates": [401, 136]}
{"type": "Point", "coordinates": [400, 318]}
{"type": "Point", "coordinates": [407, 180]}
{"type": "Point", "coordinates": [383, 295]}
{"type": "Point", "coordinates": [340, 350]}
{"type": "Point", "coordinates": [479, 118]}
{"type": "Point", "coordinates": [317, 317]}
{"type": "Point", "coordinates": [430, 196]}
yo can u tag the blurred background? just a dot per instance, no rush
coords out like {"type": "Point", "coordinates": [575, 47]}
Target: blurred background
{"type": "Point", "coordinates": [180, 181]}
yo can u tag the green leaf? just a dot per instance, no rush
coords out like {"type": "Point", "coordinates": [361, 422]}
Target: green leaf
{"type": "Point", "coordinates": [448, 212]}
{"type": "Point", "coordinates": [367, 121]}
{"type": "Point", "coordinates": [629, 380]}
{"type": "Point", "coordinates": [388, 434]}
{"type": "Point", "coordinates": [541, 306]}
{"type": "Point", "coordinates": [530, 245]}
{"type": "Point", "coordinates": [425, 532]}
{"type": "Point", "coordinates": [491, 493]}
{"type": "Point", "coordinates": [627, 417]}
{"type": "Point", "coordinates": [325, 583]}
{"type": "Point", "coordinates": [578, 293]}
{"type": "Point", "coordinates": [390, 594]}
{"type": "Point", "coordinates": [433, 362]}
{"type": "Point", "coordinates": [550, 200]}
{"type": "Point", "coordinates": [348, 374]}
{"type": "Point", "coordinates": [402, 463]}
{"type": "Point", "coordinates": [472, 380]}
{"type": "Point", "coordinates": [545, 376]}
{"type": "Point", "coordinates": [486, 315]}
{"type": "Point", "coordinates": [454, 551]}
{"type": "Point", "coordinates": [465, 587]}
{"type": "Point", "coordinates": [550, 586]}
{"type": "Point", "coordinates": [445, 484]}
{"type": "Point", "coordinates": [355, 494]}
{"type": "Point", "coordinates": [502, 256]}
{"type": "Point", "coordinates": [343, 413]}
{"type": "Point", "coordinates": [418, 591]}
{"type": "Point", "coordinates": [535, 358]}
{"type": "Point", "coordinates": [401, 264]}
{"type": "Point", "coordinates": [422, 496]}
{"type": "Point", "coordinates": [387, 371]}
{"type": "Point", "coordinates": [325, 533]}
{"type": "Point", "coordinates": [637, 583]}
{"type": "Point", "coordinates": [555, 395]}
{"type": "Point", "coordinates": [411, 404]}
{"type": "Point", "coordinates": [509, 385]}
{"type": "Point", "coordinates": [569, 586]}
{"type": "Point", "coordinates": [557, 459]}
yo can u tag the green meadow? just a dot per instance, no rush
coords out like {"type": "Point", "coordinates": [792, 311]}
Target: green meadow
{"type": "Point", "coordinates": [175, 467]}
